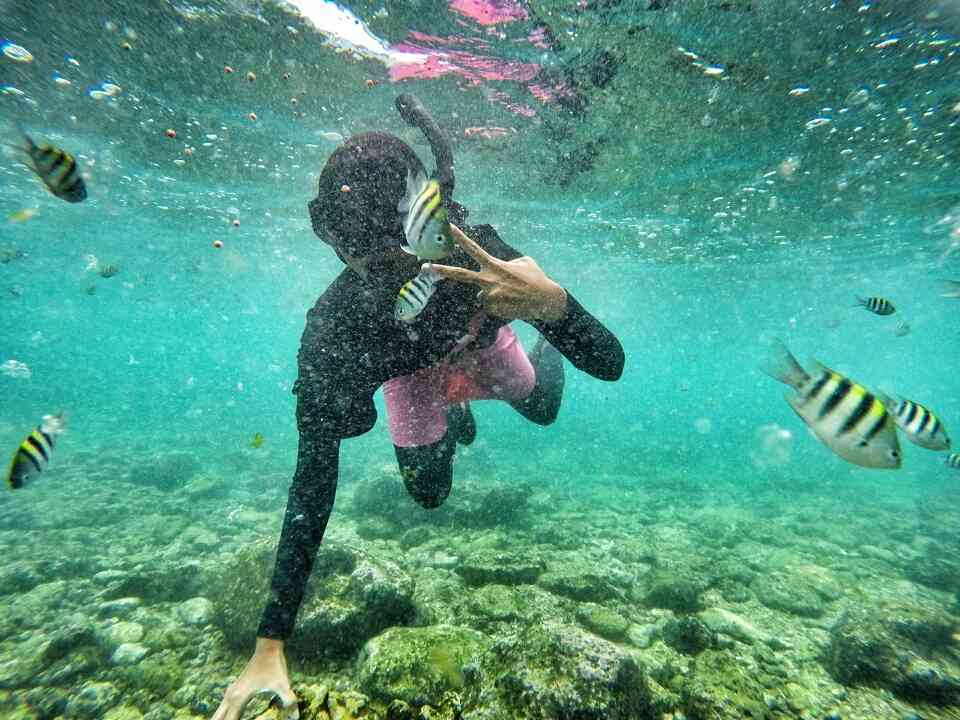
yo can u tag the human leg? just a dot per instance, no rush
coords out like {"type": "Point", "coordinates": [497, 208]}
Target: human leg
{"type": "Point", "coordinates": [425, 431]}
{"type": "Point", "coordinates": [427, 470]}
{"type": "Point", "coordinates": [543, 403]}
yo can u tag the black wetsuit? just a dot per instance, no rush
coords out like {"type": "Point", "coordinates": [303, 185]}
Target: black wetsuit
{"type": "Point", "coordinates": [350, 347]}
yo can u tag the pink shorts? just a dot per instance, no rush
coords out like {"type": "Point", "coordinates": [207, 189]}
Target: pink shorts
{"type": "Point", "coordinates": [417, 404]}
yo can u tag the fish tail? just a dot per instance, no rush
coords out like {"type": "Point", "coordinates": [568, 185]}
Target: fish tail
{"type": "Point", "coordinates": [54, 424]}
{"type": "Point", "coordinates": [888, 401]}
{"type": "Point", "coordinates": [781, 365]}
{"type": "Point", "coordinates": [25, 145]}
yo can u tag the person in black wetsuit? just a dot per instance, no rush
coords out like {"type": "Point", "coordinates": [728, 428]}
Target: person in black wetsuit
{"type": "Point", "coordinates": [353, 345]}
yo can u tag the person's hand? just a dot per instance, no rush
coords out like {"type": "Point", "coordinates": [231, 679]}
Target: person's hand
{"type": "Point", "coordinates": [266, 672]}
{"type": "Point", "coordinates": [513, 290]}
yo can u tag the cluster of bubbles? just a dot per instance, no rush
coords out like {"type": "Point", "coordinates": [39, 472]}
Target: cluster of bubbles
{"type": "Point", "coordinates": [16, 369]}
{"type": "Point", "coordinates": [772, 447]}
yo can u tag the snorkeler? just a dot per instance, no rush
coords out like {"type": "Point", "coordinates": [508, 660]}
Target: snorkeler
{"type": "Point", "coordinates": [456, 347]}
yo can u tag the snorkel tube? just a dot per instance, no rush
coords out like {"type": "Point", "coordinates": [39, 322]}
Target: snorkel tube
{"type": "Point", "coordinates": [415, 114]}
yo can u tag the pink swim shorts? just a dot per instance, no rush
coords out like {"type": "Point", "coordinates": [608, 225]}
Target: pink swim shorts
{"type": "Point", "coordinates": [417, 404]}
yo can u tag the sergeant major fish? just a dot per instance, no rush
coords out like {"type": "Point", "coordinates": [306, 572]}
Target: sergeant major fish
{"type": "Point", "coordinates": [425, 225]}
{"type": "Point", "coordinates": [56, 168]}
{"type": "Point", "coordinates": [877, 305]}
{"type": "Point", "coordinates": [33, 454]}
{"type": "Point", "coordinates": [921, 426]}
{"type": "Point", "coordinates": [843, 415]}
{"type": "Point", "coordinates": [414, 295]}
{"type": "Point", "coordinates": [952, 461]}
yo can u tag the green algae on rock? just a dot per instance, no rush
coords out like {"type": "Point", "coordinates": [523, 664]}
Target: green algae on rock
{"type": "Point", "coordinates": [418, 664]}
{"type": "Point", "coordinates": [603, 621]}
{"type": "Point", "coordinates": [718, 687]}
{"type": "Point", "coordinates": [677, 592]}
{"type": "Point", "coordinates": [552, 671]}
{"type": "Point", "coordinates": [688, 634]}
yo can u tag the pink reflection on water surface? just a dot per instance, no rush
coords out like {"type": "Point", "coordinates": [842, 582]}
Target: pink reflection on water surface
{"type": "Point", "coordinates": [489, 12]}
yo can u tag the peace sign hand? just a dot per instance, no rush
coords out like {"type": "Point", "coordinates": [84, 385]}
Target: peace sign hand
{"type": "Point", "coordinates": [513, 290]}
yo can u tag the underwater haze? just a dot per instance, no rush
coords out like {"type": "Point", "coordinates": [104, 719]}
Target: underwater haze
{"type": "Point", "coordinates": [705, 176]}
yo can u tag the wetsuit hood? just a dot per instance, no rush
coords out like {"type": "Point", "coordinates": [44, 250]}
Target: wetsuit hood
{"type": "Point", "coordinates": [362, 183]}
{"type": "Point", "coordinates": [360, 187]}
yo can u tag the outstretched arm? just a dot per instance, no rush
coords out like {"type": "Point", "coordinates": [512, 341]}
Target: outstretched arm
{"type": "Point", "coordinates": [518, 289]}
{"type": "Point", "coordinates": [309, 504]}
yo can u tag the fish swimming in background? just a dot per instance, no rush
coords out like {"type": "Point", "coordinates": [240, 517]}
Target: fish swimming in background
{"type": "Point", "coordinates": [21, 215]}
{"type": "Point", "coordinates": [414, 295]}
{"type": "Point", "coordinates": [902, 329]}
{"type": "Point", "coordinates": [921, 426]}
{"type": "Point", "coordinates": [877, 305]}
{"type": "Point", "coordinates": [425, 224]}
{"type": "Point", "coordinates": [843, 415]}
{"type": "Point", "coordinates": [257, 440]}
{"type": "Point", "coordinates": [952, 289]}
{"type": "Point", "coordinates": [952, 461]}
{"type": "Point", "coordinates": [33, 454]}
{"type": "Point", "coordinates": [56, 168]}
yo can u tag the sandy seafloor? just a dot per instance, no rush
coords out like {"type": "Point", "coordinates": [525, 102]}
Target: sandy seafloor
{"type": "Point", "coordinates": [677, 592]}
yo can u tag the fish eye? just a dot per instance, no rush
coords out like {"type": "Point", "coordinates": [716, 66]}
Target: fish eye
{"type": "Point", "coordinates": [894, 454]}
{"type": "Point", "coordinates": [439, 238]}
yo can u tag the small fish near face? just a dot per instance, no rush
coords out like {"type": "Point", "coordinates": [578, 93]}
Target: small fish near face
{"type": "Point", "coordinates": [921, 426]}
{"type": "Point", "coordinates": [877, 305]}
{"type": "Point", "coordinates": [33, 454]}
{"type": "Point", "coordinates": [843, 415]}
{"type": "Point", "coordinates": [425, 225]}
{"type": "Point", "coordinates": [56, 168]}
{"type": "Point", "coordinates": [952, 461]}
{"type": "Point", "coordinates": [414, 296]}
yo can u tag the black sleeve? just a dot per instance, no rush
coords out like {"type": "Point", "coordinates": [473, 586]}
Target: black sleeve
{"type": "Point", "coordinates": [308, 510]}
{"type": "Point", "coordinates": [334, 401]}
{"type": "Point", "coordinates": [585, 342]}
{"type": "Point", "coordinates": [579, 336]}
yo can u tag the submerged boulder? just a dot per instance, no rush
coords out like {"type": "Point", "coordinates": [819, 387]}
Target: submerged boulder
{"type": "Point", "coordinates": [559, 672]}
{"type": "Point", "coordinates": [719, 687]}
{"type": "Point", "coordinates": [503, 568]}
{"type": "Point", "coordinates": [418, 664]}
{"type": "Point", "coordinates": [909, 650]}
{"type": "Point", "coordinates": [352, 596]}
{"type": "Point", "coordinates": [802, 590]}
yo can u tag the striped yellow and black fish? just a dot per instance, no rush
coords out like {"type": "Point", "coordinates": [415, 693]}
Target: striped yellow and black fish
{"type": "Point", "coordinates": [952, 461]}
{"type": "Point", "coordinates": [57, 169]}
{"type": "Point", "coordinates": [425, 225]}
{"type": "Point", "coordinates": [33, 454]}
{"type": "Point", "coordinates": [877, 305]}
{"type": "Point", "coordinates": [921, 426]}
{"type": "Point", "coordinates": [414, 295]}
{"type": "Point", "coordinates": [843, 415]}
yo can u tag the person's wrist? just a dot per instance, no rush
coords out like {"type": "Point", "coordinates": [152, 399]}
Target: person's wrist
{"type": "Point", "coordinates": [555, 306]}
{"type": "Point", "coordinates": [267, 646]}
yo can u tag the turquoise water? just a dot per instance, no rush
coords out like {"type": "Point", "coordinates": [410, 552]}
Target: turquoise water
{"type": "Point", "coordinates": [747, 171]}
